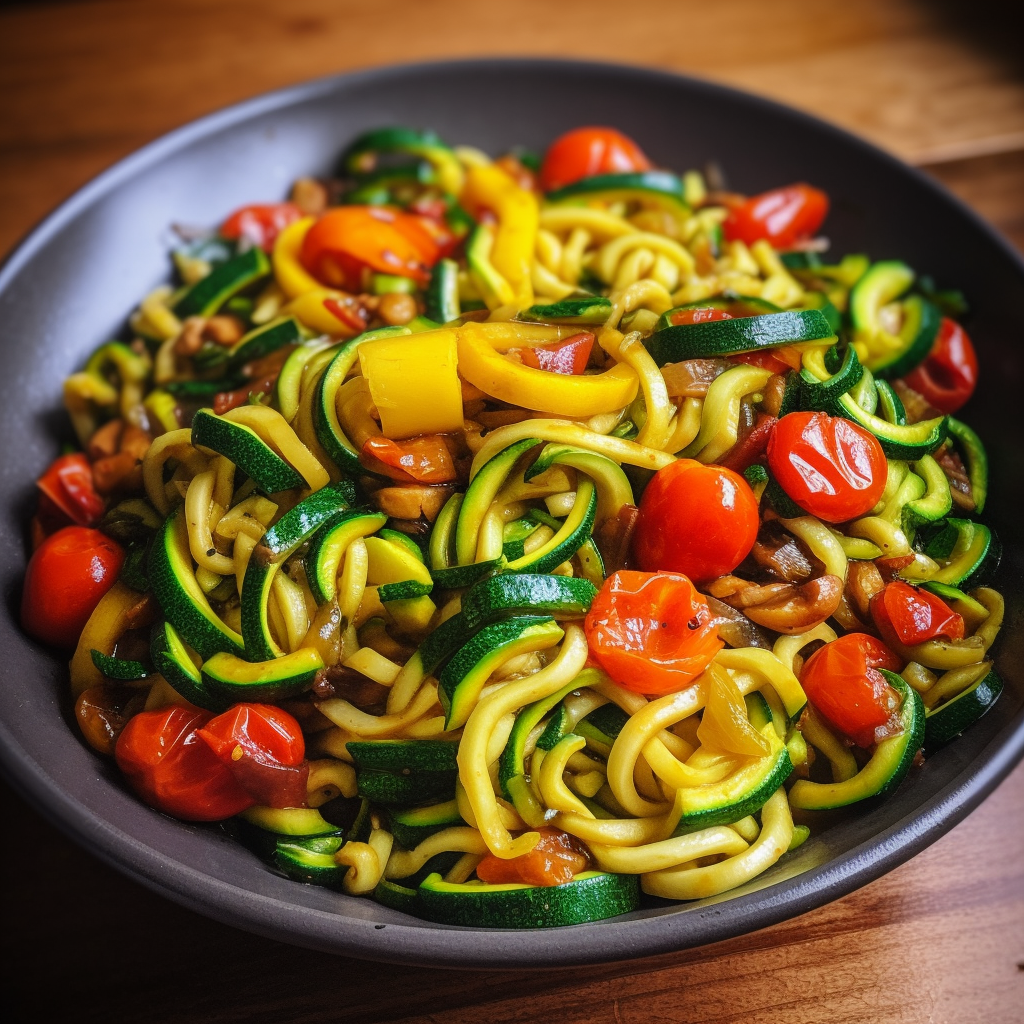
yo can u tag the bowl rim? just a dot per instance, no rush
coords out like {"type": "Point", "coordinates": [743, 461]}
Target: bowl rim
{"type": "Point", "coordinates": [424, 944]}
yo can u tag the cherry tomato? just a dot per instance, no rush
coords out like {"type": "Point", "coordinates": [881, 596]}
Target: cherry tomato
{"type": "Point", "coordinates": [348, 238]}
{"type": "Point", "coordinates": [424, 460]}
{"type": "Point", "coordinates": [173, 770]}
{"type": "Point", "coordinates": [695, 519]}
{"type": "Point", "coordinates": [829, 466]}
{"type": "Point", "coordinates": [783, 216]}
{"type": "Point", "coordinates": [651, 632]}
{"type": "Point", "coordinates": [68, 483]}
{"type": "Point", "coordinates": [65, 579]}
{"type": "Point", "coordinates": [553, 861]}
{"type": "Point", "coordinates": [907, 615]}
{"type": "Point", "coordinates": [949, 374]}
{"type": "Point", "coordinates": [264, 749]}
{"type": "Point", "coordinates": [260, 223]}
{"type": "Point", "coordinates": [584, 152]}
{"type": "Point", "coordinates": [569, 356]}
{"type": "Point", "coordinates": [842, 681]}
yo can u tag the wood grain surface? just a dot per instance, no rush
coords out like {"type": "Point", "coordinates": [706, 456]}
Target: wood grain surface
{"type": "Point", "coordinates": [940, 939]}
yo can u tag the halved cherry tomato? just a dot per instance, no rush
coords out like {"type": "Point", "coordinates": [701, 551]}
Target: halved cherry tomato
{"type": "Point", "coordinates": [425, 460]}
{"type": "Point", "coordinates": [260, 223]}
{"type": "Point", "coordinates": [569, 356]}
{"type": "Point", "coordinates": [829, 466]}
{"type": "Point", "coordinates": [66, 577]}
{"type": "Point", "coordinates": [68, 483]}
{"type": "Point", "coordinates": [348, 238]}
{"type": "Point", "coordinates": [584, 152]}
{"type": "Point", "coordinates": [652, 633]}
{"type": "Point", "coordinates": [173, 770]}
{"type": "Point", "coordinates": [553, 861]}
{"type": "Point", "coordinates": [783, 216]}
{"type": "Point", "coordinates": [842, 681]}
{"type": "Point", "coordinates": [907, 615]}
{"type": "Point", "coordinates": [949, 374]}
{"type": "Point", "coordinates": [695, 519]}
{"type": "Point", "coordinates": [264, 749]}
{"type": "Point", "coordinates": [699, 315]}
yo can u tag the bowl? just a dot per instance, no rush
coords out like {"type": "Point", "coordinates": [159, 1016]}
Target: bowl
{"type": "Point", "coordinates": [70, 283]}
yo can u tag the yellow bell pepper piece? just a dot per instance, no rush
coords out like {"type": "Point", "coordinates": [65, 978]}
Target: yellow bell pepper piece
{"type": "Point", "coordinates": [576, 397]}
{"type": "Point", "coordinates": [310, 310]}
{"type": "Point", "coordinates": [414, 382]}
{"type": "Point", "coordinates": [516, 233]}
{"type": "Point", "coordinates": [289, 273]}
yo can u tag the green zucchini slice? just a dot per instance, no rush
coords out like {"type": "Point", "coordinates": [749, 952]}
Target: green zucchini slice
{"type": "Point", "coordinates": [410, 826]}
{"type": "Point", "coordinates": [590, 896]}
{"type": "Point", "coordinates": [921, 322]}
{"type": "Point", "coordinates": [887, 768]}
{"type": "Point", "coordinates": [292, 530]}
{"type": "Point", "coordinates": [363, 154]}
{"type": "Point", "coordinates": [263, 340]}
{"type": "Point", "coordinates": [613, 487]}
{"type": "Point", "coordinates": [173, 661]}
{"type": "Point", "coordinates": [226, 279]}
{"type": "Point", "coordinates": [972, 552]}
{"type": "Point", "coordinates": [972, 451]}
{"type": "Point", "coordinates": [562, 597]}
{"type": "Point", "coordinates": [241, 445]}
{"type": "Point", "coordinates": [328, 547]}
{"type": "Point", "coordinates": [590, 310]}
{"type": "Point", "coordinates": [181, 598]}
{"type": "Point", "coordinates": [405, 755]}
{"type": "Point", "coordinates": [821, 390]}
{"type": "Point", "coordinates": [442, 297]}
{"type": "Point", "coordinates": [311, 860]}
{"type": "Point", "coordinates": [300, 822]}
{"type": "Point", "coordinates": [949, 720]}
{"type": "Point", "coordinates": [409, 789]}
{"type": "Point", "coordinates": [471, 666]}
{"type": "Point", "coordinates": [708, 338]}
{"type": "Point", "coordinates": [661, 189]}
{"type": "Point", "coordinates": [268, 681]}
{"type": "Point", "coordinates": [937, 499]}
{"type": "Point", "coordinates": [568, 539]}
{"type": "Point", "coordinates": [909, 441]}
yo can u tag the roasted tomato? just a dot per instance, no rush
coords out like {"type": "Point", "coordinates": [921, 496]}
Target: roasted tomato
{"type": "Point", "coordinates": [695, 519]}
{"type": "Point", "coordinates": [949, 374]}
{"type": "Point", "coordinates": [173, 770]}
{"type": "Point", "coordinates": [652, 633]}
{"type": "Point", "coordinates": [69, 485]}
{"type": "Point", "coordinates": [908, 615]}
{"type": "Point", "coordinates": [66, 577]}
{"type": "Point", "coordinates": [555, 859]}
{"type": "Point", "coordinates": [830, 467]}
{"type": "Point", "coordinates": [843, 683]}
{"type": "Point", "coordinates": [783, 216]}
{"type": "Point", "coordinates": [260, 223]}
{"type": "Point", "coordinates": [585, 152]}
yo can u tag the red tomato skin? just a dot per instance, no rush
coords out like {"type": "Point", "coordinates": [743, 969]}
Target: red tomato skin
{"type": "Point", "coordinates": [262, 728]}
{"type": "Point", "coordinates": [653, 633]}
{"type": "Point", "coordinates": [66, 577]}
{"type": "Point", "coordinates": [843, 683]}
{"type": "Point", "coordinates": [828, 465]}
{"type": "Point", "coordinates": [699, 315]}
{"type": "Point", "coordinates": [173, 770]}
{"type": "Point", "coordinates": [949, 374]}
{"type": "Point", "coordinates": [783, 216]}
{"type": "Point", "coordinates": [569, 356]}
{"type": "Point", "coordinates": [386, 240]}
{"type": "Point", "coordinates": [68, 484]}
{"type": "Point", "coordinates": [260, 223]}
{"type": "Point", "coordinates": [584, 152]}
{"type": "Point", "coordinates": [907, 615]}
{"type": "Point", "coordinates": [697, 520]}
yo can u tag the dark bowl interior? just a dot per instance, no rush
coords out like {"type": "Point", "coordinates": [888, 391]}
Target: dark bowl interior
{"type": "Point", "coordinates": [71, 283]}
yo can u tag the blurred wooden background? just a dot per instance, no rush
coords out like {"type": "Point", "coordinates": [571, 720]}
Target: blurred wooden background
{"type": "Point", "coordinates": [940, 84]}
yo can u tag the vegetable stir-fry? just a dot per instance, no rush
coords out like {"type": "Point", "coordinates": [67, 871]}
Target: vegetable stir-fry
{"type": "Point", "coordinates": [504, 539]}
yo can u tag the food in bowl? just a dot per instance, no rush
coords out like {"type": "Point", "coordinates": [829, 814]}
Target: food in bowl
{"type": "Point", "coordinates": [502, 539]}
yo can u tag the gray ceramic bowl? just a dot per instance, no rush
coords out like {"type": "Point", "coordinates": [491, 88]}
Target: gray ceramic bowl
{"type": "Point", "coordinates": [70, 284]}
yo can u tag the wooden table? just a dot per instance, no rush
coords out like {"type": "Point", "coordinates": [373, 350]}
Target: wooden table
{"type": "Point", "coordinates": [939, 939]}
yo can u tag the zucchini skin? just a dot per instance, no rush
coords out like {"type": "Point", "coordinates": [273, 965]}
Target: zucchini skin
{"type": "Point", "coordinates": [949, 720]}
